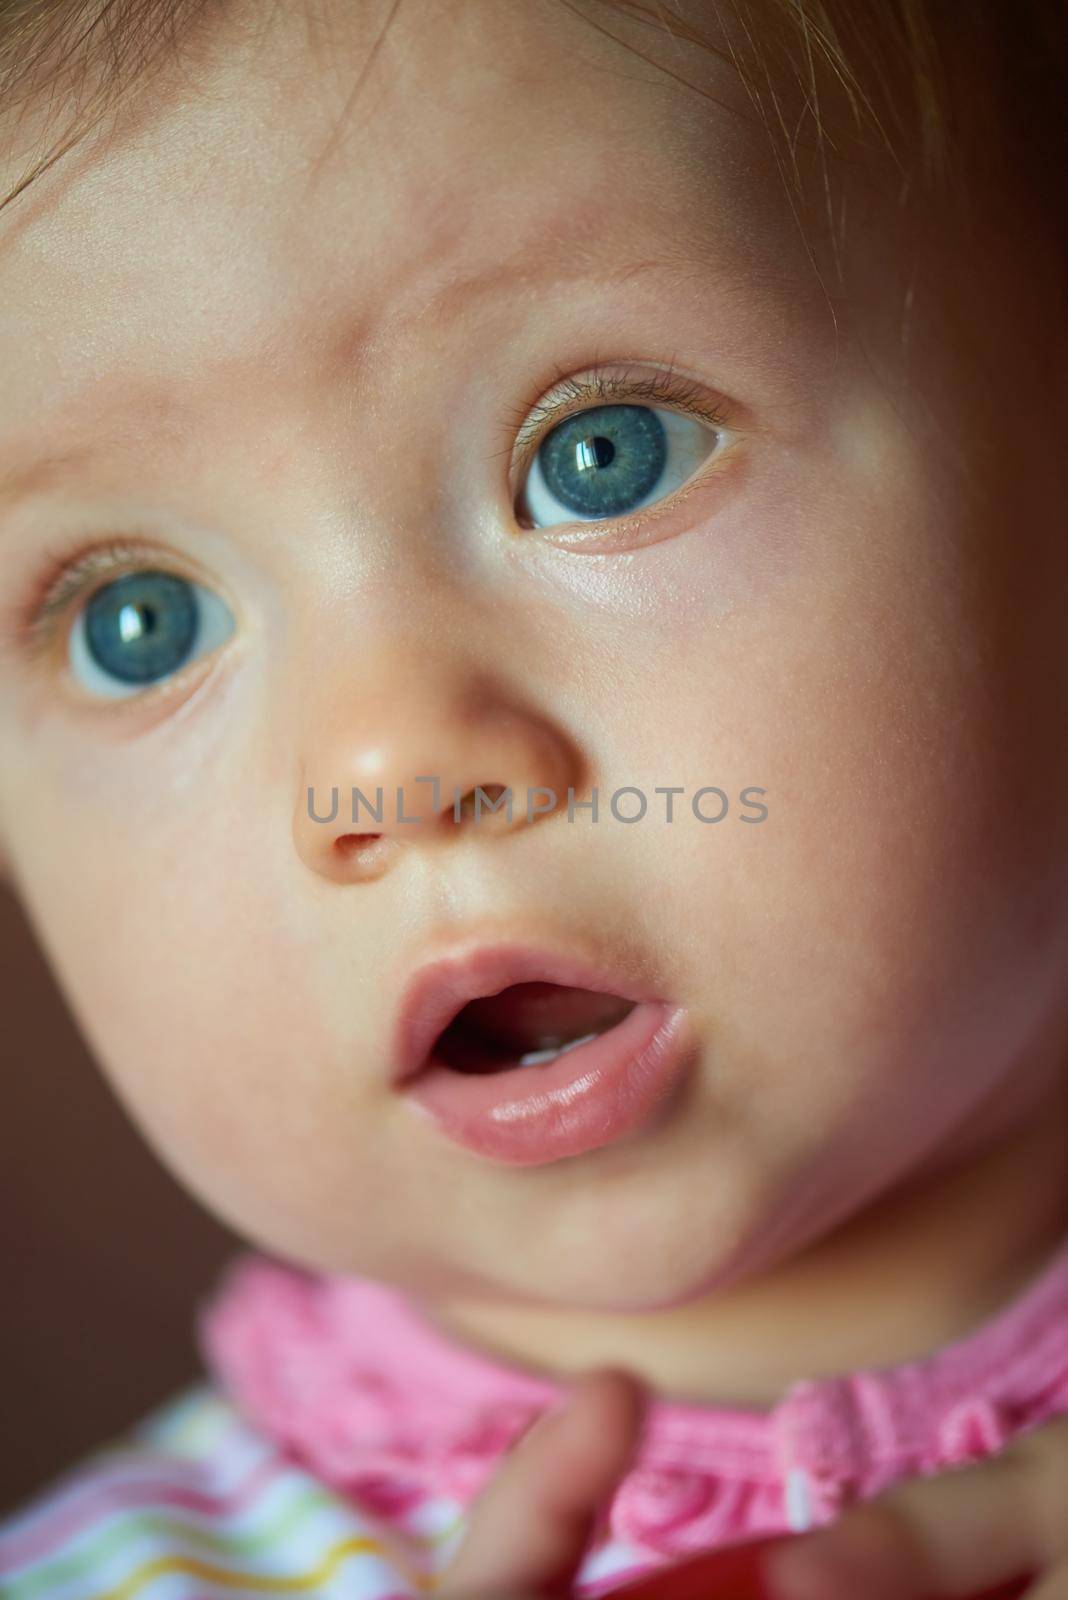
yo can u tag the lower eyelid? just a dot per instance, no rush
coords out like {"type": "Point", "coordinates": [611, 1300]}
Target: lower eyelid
{"type": "Point", "coordinates": [168, 697]}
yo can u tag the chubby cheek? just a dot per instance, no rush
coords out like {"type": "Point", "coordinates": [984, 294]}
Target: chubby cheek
{"type": "Point", "coordinates": [883, 950]}
{"type": "Point", "coordinates": [197, 993]}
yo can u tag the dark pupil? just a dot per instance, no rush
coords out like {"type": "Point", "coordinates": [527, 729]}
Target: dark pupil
{"type": "Point", "coordinates": [605, 461]}
{"type": "Point", "coordinates": [142, 626]}
{"type": "Point", "coordinates": [598, 452]}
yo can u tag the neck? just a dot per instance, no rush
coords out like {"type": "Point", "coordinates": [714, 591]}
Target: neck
{"type": "Point", "coordinates": [925, 1266]}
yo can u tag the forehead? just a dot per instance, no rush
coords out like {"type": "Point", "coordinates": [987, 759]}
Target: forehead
{"type": "Point", "coordinates": [309, 183]}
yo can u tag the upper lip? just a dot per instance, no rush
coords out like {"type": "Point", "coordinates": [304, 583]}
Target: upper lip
{"type": "Point", "coordinates": [439, 990]}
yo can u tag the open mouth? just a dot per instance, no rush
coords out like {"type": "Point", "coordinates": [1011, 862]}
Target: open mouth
{"type": "Point", "coordinates": [525, 1025]}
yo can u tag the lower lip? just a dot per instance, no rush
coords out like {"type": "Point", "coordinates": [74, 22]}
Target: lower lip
{"type": "Point", "coordinates": [593, 1095]}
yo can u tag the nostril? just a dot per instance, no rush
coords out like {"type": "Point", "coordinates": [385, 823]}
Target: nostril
{"type": "Point", "coordinates": [486, 802]}
{"type": "Point", "coordinates": [364, 853]}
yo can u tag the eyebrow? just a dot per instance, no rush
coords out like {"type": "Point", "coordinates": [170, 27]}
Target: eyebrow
{"type": "Point", "coordinates": [43, 472]}
{"type": "Point", "coordinates": [676, 266]}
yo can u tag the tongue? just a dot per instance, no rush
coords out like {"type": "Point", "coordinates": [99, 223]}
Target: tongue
{"type": "Point", "coordinates": [540, 1016]}
{"type": "Point", "coordinates": [525, 1024]}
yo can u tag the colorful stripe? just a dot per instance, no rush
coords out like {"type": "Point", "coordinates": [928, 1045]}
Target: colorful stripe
{"type": "Point", "coordinates": [225, 1513]}
{"type": "Point", "coordinates": [111, 1540]}
{"type": "Point", "coordinates": [102, 1497]}
{"type": "Point", "coordinates": [258, 1583]}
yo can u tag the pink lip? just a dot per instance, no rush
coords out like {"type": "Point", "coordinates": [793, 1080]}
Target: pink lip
{"type": "Point", "coordinates": [589, 1096]}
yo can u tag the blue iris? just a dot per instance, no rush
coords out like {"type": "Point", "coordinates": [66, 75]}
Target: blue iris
{"type": "Point", "coordinates": [142, 626]}
{"type": "Point", "coordinates": [605, 461]}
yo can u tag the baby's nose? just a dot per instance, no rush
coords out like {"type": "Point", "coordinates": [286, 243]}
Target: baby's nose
{"type": "Point", "coordinates": [431, 759]}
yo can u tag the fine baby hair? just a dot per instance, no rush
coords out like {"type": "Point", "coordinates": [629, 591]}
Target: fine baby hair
{"type": "Point", "coordinates": [949, 93]}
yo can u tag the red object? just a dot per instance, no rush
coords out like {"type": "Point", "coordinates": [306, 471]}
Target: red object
{"type": "Point", "coordinates": [734, 1573]}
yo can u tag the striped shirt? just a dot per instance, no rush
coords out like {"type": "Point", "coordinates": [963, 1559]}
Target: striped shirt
{"type": "Point", "coordinates": [337, 1441]}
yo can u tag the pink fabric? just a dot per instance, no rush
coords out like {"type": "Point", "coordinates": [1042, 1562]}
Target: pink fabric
{"type": "Point", "coordinates": [349, 1376]}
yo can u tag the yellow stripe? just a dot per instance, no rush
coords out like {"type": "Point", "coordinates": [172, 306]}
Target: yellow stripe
{"type": "Point", "coordinates": [225, 1578]}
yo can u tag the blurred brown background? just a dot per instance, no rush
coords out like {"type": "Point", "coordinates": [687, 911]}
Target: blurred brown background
{"type": "Point", "coordinates": [103, 1255]}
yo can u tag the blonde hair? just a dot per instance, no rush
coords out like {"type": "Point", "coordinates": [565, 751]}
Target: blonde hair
{"type": "Point", "coordinates": [949, 90]}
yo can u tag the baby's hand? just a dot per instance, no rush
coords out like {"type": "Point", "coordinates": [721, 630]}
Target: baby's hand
{"type": "Point", "coordinates": [973, 1531]}
{"type": "Point", "coordinates": [530, 1526]}
{"type": "Point", "coordinates": [967, 1531]}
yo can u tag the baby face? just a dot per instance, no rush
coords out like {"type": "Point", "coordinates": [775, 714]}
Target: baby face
{"type": "Point", "coordinates": [279, 335]}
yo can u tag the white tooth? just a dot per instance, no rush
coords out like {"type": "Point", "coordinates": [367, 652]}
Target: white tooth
{"type": "Point", "coordinates": [533, 1057]}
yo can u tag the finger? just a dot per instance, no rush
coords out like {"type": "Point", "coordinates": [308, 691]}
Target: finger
{"type": "Point", "coordinates": [958, 1533]}
{"type": "Point", "coordinates": [529, 1528]}
{"type": "Point", "coordinates": [738, 1572]}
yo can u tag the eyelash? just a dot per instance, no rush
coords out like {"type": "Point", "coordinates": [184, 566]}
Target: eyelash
{"type": "Point", "coordinates": [66, 576]}
{"type": "Point", "coordinates": [535, 419]}
{"type": "Point", "coordinates": [69, 571]}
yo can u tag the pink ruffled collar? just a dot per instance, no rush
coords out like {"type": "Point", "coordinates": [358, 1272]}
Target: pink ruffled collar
{"type": "Point", "coordinates": [347, 1375]}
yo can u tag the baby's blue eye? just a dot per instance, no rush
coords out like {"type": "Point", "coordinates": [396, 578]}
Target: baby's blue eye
{"type": "Point", "coordinates": [611, 460]}
{"type": "Point", "coordinates": [143, 627]}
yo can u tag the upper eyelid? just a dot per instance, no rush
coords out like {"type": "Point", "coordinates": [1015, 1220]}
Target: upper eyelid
{"type": "Point", "coordinates": [639, 381]}
{"type": "Point", "coordinates": [106, 559]}
{"type": "Point", "coordinates": [97, 561]}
